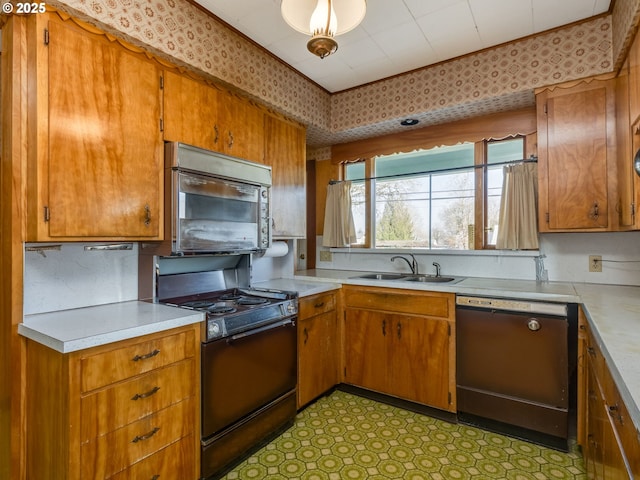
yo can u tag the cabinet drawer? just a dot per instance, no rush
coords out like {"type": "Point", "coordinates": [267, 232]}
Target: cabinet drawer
{"type": "Point", "coordinates": [175, 461]}
{"type": "Point", "coordinates": [402, 301]}
{"type": "Point", "coordinates": [317, 304]}
{"type": "Point", "coordinates": [109, 367]}
{"type": "Point", "coordinates": [121, 404]}
{"type": "Point", "coordinates": [115, 451]}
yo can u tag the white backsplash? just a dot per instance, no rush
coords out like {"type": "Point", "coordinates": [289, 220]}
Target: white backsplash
{"type": "Point", "coordinates": [566, 259]}
{"type": "Point", "coordinates": [72, 277]}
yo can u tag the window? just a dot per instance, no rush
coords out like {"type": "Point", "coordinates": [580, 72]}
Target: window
{"type": "Point", "coordinates": [431, 199]}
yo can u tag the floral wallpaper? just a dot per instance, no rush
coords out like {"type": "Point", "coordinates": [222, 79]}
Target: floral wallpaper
{"type": "Point", "coordinates": [497, 79]}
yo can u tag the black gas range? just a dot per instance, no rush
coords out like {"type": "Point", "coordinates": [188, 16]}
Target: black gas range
{"type": "Point", "coordinates": [248, 370]}
{"type": "Point", "coordinates": [235, 311]}
{"type": "Point", "coordinates": [248, 353]}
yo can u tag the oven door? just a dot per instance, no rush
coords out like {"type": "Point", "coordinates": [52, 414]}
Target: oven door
{"type": "Point", "coordinates": [242, 373]}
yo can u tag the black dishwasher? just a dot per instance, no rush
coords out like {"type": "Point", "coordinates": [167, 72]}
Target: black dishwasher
{"type": "Point", "coordinates": [516, 367]}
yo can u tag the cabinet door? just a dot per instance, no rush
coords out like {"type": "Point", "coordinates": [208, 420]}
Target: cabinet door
{"type": "Point", "coordinates": [317, 356]}
{"type": "Point", "coordinates": [366, 349]}
{"type": "Point", "coordinates": [285, 153]}
{"type": "Point", "coordinates": [241, 128]}
{"type": "Point", "coordinates": [419, 360]}
{"type": "Point", "coordinates": [191, 112]}
{"type": "Point", "coordinates": [104, 145]}
{"type": "Point", "coordinates": [575, 132]}
{"type": "Point", "coordinates": [634, 80]}
{"type": "Point", "coordinates": [594, 453]}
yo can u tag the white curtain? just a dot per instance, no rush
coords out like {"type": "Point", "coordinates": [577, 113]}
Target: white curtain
{"type": "Point", "coordinates": [518, 224]}
{"type": "Point", "coordinates": [339, 228]}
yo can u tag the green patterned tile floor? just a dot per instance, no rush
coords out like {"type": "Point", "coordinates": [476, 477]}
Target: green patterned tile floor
{"type": "Point", "coordinates": [344, 436]}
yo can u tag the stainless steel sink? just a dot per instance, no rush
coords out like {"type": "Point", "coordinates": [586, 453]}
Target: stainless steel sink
{"type": "Point", "coordinates": [428, 279]}
{"type": "Point", "coordinates": [381, 276]}
{"type": "Point", "coordinates": [406, 277]}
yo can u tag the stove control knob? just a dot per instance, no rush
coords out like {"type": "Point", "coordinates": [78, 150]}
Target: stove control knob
{"type": "Point", "coordinates": [534, 324]}
{"type": "Point", "coordinates": [291, 308]}
{"type": "Point", "coordinates": [213, 330]}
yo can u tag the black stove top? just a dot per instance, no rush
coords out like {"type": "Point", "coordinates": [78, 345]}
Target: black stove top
{"type": "Point", "coordinates": [233, 311]}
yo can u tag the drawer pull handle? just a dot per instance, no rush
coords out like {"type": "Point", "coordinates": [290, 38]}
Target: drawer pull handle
{"type": "Point", "coordinates": [137, 358]}
{"type": "Point", "coordinates": [146, 436]}
{"type": "Point", "coordinates": [319, 305]}
{"type": "Point", "coordinates": [138, 396]}
{"type": "Point", "coordinates": [591, 351]}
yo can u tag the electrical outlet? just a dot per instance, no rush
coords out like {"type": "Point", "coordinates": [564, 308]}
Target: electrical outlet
{"type": "Point", "coordinates": [595, 263]}
{"type": "Point", "coordinates": [325, 256]}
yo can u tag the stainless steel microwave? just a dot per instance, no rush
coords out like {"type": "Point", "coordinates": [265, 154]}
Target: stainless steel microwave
{"type": "Point", "coordinates": [215, 204]}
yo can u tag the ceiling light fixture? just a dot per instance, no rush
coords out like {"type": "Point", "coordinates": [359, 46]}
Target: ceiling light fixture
{"type": "Point", "coordinates": [323, 20]}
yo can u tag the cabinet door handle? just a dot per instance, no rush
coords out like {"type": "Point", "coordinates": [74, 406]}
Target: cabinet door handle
{"type": "Point", "coordinates": [614, 411]}
{"type": "Point", "coordinates": [137, 358]}
{"type": "Point", "coordinates": [147, 215]}
{"type": "Point", "coordinates": [319, 305]}
{"type": "Point", "coordinates": [384, 327]}
{"type": "Point", "coordinates": [155, 477]}
{"type": "Point", "coordinates": [591, 351]}
{"type": "Point", "coordinates": [146, 436]}
{"type": "Point", "coordinates": [215, 129]}
{"type": "Point", "coordinates": [306, 335]}
{"type": "Point", "coordinates": [230, 139]}
{"type": "Point", "coordinates": [138, 396]}
{"type": "Point", "coordinates": [399, 329]}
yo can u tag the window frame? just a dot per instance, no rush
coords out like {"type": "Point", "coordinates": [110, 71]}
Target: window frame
{"type": "Point", "coordinates": [481, 235]}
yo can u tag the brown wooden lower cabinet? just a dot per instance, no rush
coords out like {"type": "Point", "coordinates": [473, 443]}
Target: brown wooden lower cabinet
{"type": "Point", "coordinates": [401, 343]}
{"type": "Point", "coordinates": [611, 443]}
{"type": "Point", "coordinates": [124, 410]}
{"type": "Point", "coordinates": [318, 346]}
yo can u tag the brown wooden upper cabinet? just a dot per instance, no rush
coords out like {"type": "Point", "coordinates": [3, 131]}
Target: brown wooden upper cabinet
{"type": "Point", "coordinates": [95, 155]}
{"type": "Point", "coordinates": [285, 152]}
{"type": "Point", "coordinates": [628, 138]}
{"type": "Point", "coordinates": [208, 117]}
{"type": "Point", "coordinates": [576, 156]}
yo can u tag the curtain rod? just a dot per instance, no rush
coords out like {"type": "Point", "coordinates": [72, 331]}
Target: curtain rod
{"type": "Point", "coordinates": [532, 159]}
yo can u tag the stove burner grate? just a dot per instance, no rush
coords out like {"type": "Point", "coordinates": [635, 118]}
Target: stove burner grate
{"type": "Point", "coordinates": [230, 296]}
{"type": "Point", "coordinates": [198, 304]}
{"type": "Point", "coordinates": [221, 309]}
{"type": "Point", "coordinates": [250, 301]}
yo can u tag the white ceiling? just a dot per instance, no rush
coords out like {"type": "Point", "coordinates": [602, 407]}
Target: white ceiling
{"type": "Point", "coordinates": [397, 36]}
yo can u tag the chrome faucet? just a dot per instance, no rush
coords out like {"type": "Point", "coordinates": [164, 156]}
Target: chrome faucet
{"type": "Point", "coordinates": [437, 265]}
{"type": "Point", "coordinates": [413, 264]}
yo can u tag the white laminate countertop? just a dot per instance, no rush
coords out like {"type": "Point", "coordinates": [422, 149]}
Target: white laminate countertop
{"type": "Point", "coordinates": [70, 330]}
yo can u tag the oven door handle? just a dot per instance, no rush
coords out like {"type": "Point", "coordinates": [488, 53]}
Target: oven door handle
{"type": "Point", "coordinates": [271, 326]}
